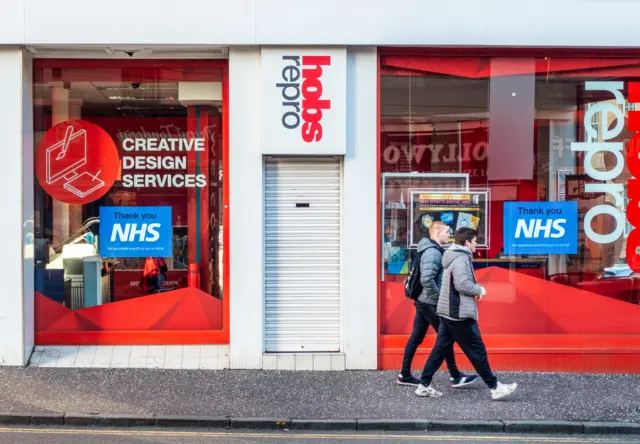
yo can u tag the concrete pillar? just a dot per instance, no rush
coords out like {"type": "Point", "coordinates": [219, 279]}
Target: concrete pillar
{"type": "Point", "coordinates": [359, 249]}
{"type": "Point", "coordinates": [245, 185]}
{"type": "Point", "coordinates": [16, 225]}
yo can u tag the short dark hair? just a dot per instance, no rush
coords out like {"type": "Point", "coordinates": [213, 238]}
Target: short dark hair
{"type": "Point", "coordinates": [464, 234]}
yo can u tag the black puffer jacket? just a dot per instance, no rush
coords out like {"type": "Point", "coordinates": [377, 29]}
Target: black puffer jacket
{"type": "Point", "coordinates": [430, 271]}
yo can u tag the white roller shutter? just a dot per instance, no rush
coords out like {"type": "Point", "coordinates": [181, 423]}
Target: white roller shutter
{"type": "Point", "coordinates": [302, 254]}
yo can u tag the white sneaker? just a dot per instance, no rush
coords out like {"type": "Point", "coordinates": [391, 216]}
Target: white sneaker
{"type": "Point", "coordinates": [427, 392]}
{"type": "Point", "coordinates": [503, 390]}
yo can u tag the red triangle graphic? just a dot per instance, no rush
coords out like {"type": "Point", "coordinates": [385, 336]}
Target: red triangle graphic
{"type": "Point", "coordinates": [197, 310]}
{"type": "Point", "coordinates": [47, 311]}
{"type": "Point", "coordinates": [133, 314]}
{"type": "Point", "coordinates": [72, 322]}
{"type": "Point", "coordinates": [556, 308]}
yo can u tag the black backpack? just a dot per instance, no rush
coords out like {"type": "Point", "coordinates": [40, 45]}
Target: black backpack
{"type": "Point", "coordinates": [412, 285]}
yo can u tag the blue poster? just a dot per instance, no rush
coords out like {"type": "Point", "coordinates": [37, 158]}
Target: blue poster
{"type": "Point", "coordinates": [541, 227]}
{"type": "Point", "coordinates": [135, 232]}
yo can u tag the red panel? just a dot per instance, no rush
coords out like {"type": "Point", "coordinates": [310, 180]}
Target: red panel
{"type": "Point", "coordinates": [378, 210]}
{"type": "Point", "coordinates": [133, 314]}
{"type": "Point", "coordinates": [536, 343]}
{"type": "Point", "coordinates": [520, 304]}
{"type": "Point", "coordinates": [131, 338]}
{"type": "Point", "coordinates": [203, 202]}
{"type": "Point", "coordinates": [611, 361]}
{"type": "Point", "coordinates": [193, 204]}
{"type": "Point", "coordinates": [73, 322]}
{"type": "Point", "coordinates": [552, 319]}
{"type": "Point", "coordinates": [205, 168]}
{"type": "Point", "coordinates": [451, 51]}
{"type": "Point", "coordinates": [480, 67]}
{"type": "Point", "coordinates": [558, 353]}
{"type": "Point", "coordinates": [196, 310]}
{"type": "Point", "coordinates": [183, 309]}
{"type": "Point", "coordinates": [47, 311]}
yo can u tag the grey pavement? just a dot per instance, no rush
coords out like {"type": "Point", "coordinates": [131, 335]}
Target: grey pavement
{"type": "Point", "coordinates": [148, 436]}
{"type": "Point", "coordinates": [322, 395]}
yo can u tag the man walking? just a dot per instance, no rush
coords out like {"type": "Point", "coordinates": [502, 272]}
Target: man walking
{"type": "Point", "coordinates": [457, 306]}
{"type": "Point", "coordinates": [426, 304]}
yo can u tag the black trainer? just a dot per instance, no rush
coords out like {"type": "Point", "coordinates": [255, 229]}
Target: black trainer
{"type": "Point", "coordinates": [463, 380]}
{"type": "Point", "coordinates": [407, 380]}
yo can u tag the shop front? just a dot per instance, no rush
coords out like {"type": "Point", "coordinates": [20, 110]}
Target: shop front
{"type": "Point", "coordinates": [130, 202]}
{"type": "Point", "coordinates": [538, 153]}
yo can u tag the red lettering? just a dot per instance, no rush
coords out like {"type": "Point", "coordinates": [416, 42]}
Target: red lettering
{"type": "Point", "coordinates": [633, 150]}
{"type": "Point", "coordinates": [633, 216]}
{"type": "Point", "coordinates": [316, 60]}
{"type": "Point", "coordinates": [633, 184]}
{"type": "Point", "coordinates": [633, 147]}
{"type": "Point", "coordinates": [316, 104]}
{"type": "Point", "coordinates": [633, 259]}
{"type": "Point", "coordinates": [312, 105]}
{"type": "Point", "coordinates": [313, 117]}
{"type": "Point", "coordinates": [311, 131]}
{"type": "Point", "coordinates": [311, 89]}
{"type": "Point", "coordinates": [633, 211]}
{"type": "Point", "coordinates": [634, 92]}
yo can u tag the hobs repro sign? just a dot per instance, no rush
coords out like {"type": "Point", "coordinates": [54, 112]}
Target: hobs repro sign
{"type": "Point", "coordinates": [302, 95]}
{"type": "Point", "coordinates": [304, 101]}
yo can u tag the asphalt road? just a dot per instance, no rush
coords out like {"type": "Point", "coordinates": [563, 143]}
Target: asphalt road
{"type": "Point", "coordinates": [10, 435]}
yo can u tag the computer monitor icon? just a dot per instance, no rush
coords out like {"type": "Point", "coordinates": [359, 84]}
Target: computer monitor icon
{"type": "Point", "coordinates": [66, 156]}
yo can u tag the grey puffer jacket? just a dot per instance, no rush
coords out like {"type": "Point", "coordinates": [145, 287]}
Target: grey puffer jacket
{"type": "Point", "coordinates": [459, 288]}
{"type": "Point", "coordinates": [430, 271]}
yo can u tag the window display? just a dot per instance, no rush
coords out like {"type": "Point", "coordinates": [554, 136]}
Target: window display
{"type": "Point", "coordinates": [534, 152]}
{"type": "Point", "coordinates": [129, 201]}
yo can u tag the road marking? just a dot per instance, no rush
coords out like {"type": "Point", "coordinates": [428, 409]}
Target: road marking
{"type": "Point", "coordinates": [294, 435]}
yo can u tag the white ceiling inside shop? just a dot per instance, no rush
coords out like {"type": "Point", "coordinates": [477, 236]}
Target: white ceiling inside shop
{"type": "Point", "coordinates": [116, 97]}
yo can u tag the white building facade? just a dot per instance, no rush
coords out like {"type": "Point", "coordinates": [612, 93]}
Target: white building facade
{"type": "Point", "coordinates": [280, 250]}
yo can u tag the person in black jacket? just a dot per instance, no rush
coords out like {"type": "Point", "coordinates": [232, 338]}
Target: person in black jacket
{"type": "Point", "coordinates": [426, 307]}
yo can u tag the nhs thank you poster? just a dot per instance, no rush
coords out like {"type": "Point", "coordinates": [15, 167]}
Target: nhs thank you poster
{"type": "Point", "coordinates": [135, 232]}
{"type": "Point", "coordinates": [541, 227]}
{"type": "Point", "coordinates": [455, 208]}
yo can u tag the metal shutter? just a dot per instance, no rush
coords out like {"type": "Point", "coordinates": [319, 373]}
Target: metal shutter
{"type": "Point", "coordinates": [302, 254]}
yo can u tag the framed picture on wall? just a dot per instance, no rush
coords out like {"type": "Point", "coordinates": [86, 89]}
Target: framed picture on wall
{"type": "Point", "coordinates": [455, 208]}
{"type": "Point", "coordinates": [396, 223]}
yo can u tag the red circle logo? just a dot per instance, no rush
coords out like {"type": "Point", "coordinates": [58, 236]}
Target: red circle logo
{"type": "Point", "coordinates": [76, 162]}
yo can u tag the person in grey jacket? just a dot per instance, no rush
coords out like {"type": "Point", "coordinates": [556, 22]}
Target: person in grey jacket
{"type": "Point", "coordinates": [431, 280]}
{"type": "Point", "coordinates": [457, 306]}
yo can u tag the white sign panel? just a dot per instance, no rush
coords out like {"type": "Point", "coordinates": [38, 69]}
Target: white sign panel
{"type": "Point", "coordinates": [304, 94]}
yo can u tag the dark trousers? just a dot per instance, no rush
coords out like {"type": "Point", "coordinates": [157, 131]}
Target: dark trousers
{"type": "Point", "coordinates": [467, 334]}
{"type": "Point", "coordinates": [425, 315]}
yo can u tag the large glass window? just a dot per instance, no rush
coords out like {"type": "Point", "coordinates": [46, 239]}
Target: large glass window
{"type": "Point", "coordinates": [488, 142]}
{"type": "Point", "coordinates": [128, 198]}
